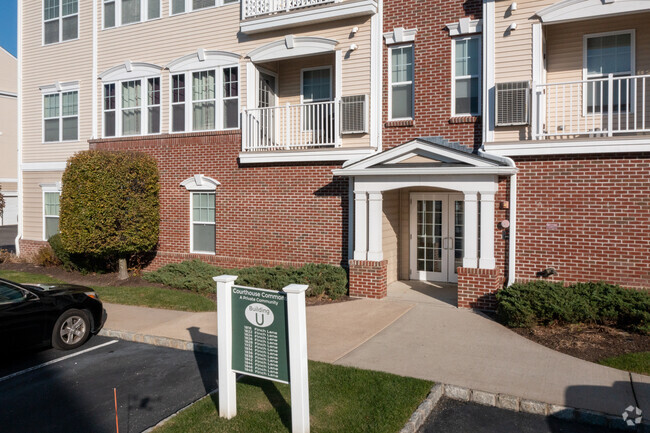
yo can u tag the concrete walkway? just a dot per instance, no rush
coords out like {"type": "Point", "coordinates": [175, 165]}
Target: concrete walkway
{"type": "Point", "coordinates": [414, 334]}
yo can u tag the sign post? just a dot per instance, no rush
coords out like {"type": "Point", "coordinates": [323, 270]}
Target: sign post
{"type": "Point", "coordinates": [263, 333]}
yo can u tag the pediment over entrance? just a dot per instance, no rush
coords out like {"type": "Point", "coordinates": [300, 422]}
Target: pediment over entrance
{"type": "Point", "coordinates": [427, 155]}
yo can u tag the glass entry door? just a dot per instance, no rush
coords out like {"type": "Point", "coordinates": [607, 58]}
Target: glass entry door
{"type": "Point", "coordinates": [436, 232]}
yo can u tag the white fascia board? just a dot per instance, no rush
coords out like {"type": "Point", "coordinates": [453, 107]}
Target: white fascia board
{"type": "Point", "coordinates": [43, 166]}
{"type": "Point", "coordinates": [303, 156]}
{"type": "Point", "coordinates": [60, 87]}
{"type": "Point", "coordinates": [313, 15]}
{"type": "Point", "coordinates": [532, 148]}
{"type": "Point", "coordinates": [421, 171]}
{"type": "Point", "coordinates": [575, 10]}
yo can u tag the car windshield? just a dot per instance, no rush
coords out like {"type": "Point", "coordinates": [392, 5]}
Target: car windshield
{"type": "Point", "coordinates": [10, 294]}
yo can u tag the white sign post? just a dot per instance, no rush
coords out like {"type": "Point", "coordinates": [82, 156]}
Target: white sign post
{"type": "Point", "coordinates": [230, 323]}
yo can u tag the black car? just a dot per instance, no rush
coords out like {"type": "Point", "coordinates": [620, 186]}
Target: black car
{"type": "Point", "coordinates": [63, 316]}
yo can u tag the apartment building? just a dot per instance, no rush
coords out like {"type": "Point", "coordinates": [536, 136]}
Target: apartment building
{"type": "Point", "coordinates": [9, 136]}
{"type": "Point", "coordinates": [450, 142]}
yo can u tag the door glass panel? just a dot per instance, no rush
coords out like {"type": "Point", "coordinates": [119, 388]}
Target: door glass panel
{"type": "Point", "coordinates": [459, 233]}
{"type": "Point", "coordinates": [429, 235]}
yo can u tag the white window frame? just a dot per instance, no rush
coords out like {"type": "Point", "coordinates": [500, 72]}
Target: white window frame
{"type": "Point", "coordinates": [464, 77]}
{"type": "Point", "coordinates": [391, 84]}
{"type": "Point", "coordinates": [188, 6]}
{"type": "Point", "coordinates": [189, 99]}
{"type": "Point", "coordinates": [60, 116]}
{"type": "Point", "coordinates": [144, 112]}
{"type": "Point", "coordinates": [50, 189]}
{"type": "Point", "coordinates": [585, 73]}
{"type": "Point", "coordinates": [192, 222]}
{"type": "Point", "coordinates": [302, 81]}
{"type": "Point", "coordinates": [60, 19]}
{"type": "Point", "coordinates": [144, 12]}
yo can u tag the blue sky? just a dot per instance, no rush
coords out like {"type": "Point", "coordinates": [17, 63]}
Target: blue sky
{"type": "Point", "coordinates": [8, 14]}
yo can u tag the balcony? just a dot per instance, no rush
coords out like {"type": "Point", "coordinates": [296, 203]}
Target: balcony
{"type": "Point", "coordinates": [606, 107]}
{"type": "Point", "coordinates": [265, 15]}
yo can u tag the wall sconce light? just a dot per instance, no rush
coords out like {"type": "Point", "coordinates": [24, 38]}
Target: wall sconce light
{"type": "Point", "coordinates": [513, 7]}
{"type": "Point", "coordinates": [354, 47]}
{"type": "Point", "coordinates": [355, 29]}
{"type": "Point", "coordinates": [512, 27]}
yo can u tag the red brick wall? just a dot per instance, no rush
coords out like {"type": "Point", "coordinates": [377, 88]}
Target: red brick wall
{"type": "Point", "coordinates": [587, 216]}
{"type": "Point", "coordinates": [265, 214]}
{"type": "Point", "coordinates": [476, 288]}
{"type": "Point", "coordinates": [29, 248]}
{"type": "Point", "coordinates": [368, 279]}
{"type": "Point", "coordinates": [432, 50]}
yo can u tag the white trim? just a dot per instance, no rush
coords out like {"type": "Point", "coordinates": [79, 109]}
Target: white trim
{"type": "Point", "coordinates": [144, 13]}
{"type": "Point", "coordinates": [390, 83]}
{"type": "Point", "coordinates": [454, 77]}
{"type": "Point", "coordinates": [568, 147]}
{"type": "Point", "coordinates": [42, 166]}
{"type": "Point", "coordinates": [339, 154]}
{"type": "Point", "coordinates": [574, 10]}
{"type": "Point", "coordinates": [465, 26]}
{"type": "Point", "coordinates": [129, 71]}
{"type": "Point", "coordinates": [419, 171]}
{"type": "Point", "coordinates": [291, 47]}
{"type": "Point", "coordinates": [50, 189]}
{"type": "Point", "coordinates": [400, 35]}
{"type": "Point", "coordinates": [8, 180]}
{"type": "Point", "coordinates": [203, 59]}
{"type": "Point", "coordinates": [188, 7]}
{"type": "Point", "coordinates": [336, 11]}
{"type": "Point", "coordinates": [192, 222]}
{"type": "Point", "coordinates": [59, 87]}
{"type": "Point", "coordinates": [93, 82]}
{"type": "Point", "coordinates": [488, 87]}
{"type": "Point", "coordinates": [376, 79]}
{"type": "Point", "coordinates": [19, 47]}
{"type": "Point", "coordinates": [200, 183]}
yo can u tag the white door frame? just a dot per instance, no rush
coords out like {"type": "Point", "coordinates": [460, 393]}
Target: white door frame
{"type": "Point", "coordinates": [447, 239]}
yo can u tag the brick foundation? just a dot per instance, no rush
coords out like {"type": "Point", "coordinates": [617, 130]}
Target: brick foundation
{"type": "Point", "coordinates": [29, 248]}
{"type": "Point", "coordinates": [477, 287]}
{"type": "Point", "coordinates": [369, 279]}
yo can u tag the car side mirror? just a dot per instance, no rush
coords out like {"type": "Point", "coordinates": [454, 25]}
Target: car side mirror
{"type": "Point", "coordinates": [29, 296]}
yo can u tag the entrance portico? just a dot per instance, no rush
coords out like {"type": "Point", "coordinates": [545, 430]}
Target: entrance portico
{"type": "Point", "coordinates": [424, 210]}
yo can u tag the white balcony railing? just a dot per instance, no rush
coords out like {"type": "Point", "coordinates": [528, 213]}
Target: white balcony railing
{"type": "Point", "coordinates": [255, 8]}
{"type": "Point", "coordinates": [291, 127]}
{"type": "Point", "coordinates": [597, 108]}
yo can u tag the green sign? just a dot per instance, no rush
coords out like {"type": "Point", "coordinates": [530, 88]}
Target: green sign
{"type": "Point", "coordinates": [259, 333]}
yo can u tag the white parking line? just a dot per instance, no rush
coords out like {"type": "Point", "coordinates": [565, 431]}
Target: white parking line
{"type": "Point", "coordinates": [54, 361]}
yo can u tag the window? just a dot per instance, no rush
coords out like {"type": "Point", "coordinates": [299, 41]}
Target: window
{"type": "Point", "coordinates": [400, 98]}
{"type": "Point", "coordinates": [122, 12]}
{"type": "Point", "coordinates": [50, 214]}
{"type": "Point", "coordinates": [132, 107]}
{"type": "Point", "coordinates": [316, 85]}
{"type": "Point", "coordinates": [214, 102]}
{"type": "Point", "coordinates": [60, 20]}
{"type": "Point", "coordinates": [181, 6]}
{"type": "Point", "coordinates": [466, 62]}
{"type": "Point", "coordinates": [9, 294]}
{"type": "Point", "coordinates": [60, 116]}
{"type": "Point", "coordinates": [203, 222]}
{"type": "Point", "coordinates": [608, 53]}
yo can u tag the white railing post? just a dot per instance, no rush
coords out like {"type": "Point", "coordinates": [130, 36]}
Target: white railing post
{"type": "Point", "coordinates": [337, 123]}
{"type": "Point", "coordinates": [534, 113]}
{"type": "Point", "coordinates": [227, 378]}
{"type": "Point", "coordinates": [243, 5]}
{"type": "Point", "coordinates": [287, 125]}
{"type": "Point", "coordinates": [610, 105]}
{"type": "Point", "coordinates": [244, 134]}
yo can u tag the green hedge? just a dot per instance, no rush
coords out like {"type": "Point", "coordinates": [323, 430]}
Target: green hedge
{"type": "Point", "coordinates": [196, 275]}
{"type": "Point", "coordinates": [544, 303]}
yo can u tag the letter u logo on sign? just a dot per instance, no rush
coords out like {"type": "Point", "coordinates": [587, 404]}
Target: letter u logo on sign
{"type": "Point", "coordinates": [259, 315]}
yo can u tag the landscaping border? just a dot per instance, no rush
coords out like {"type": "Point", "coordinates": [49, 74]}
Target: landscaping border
{"type": "Point", "coordinates": [517, 404]}
{"type": "Point", "coordinates": [159, 341]}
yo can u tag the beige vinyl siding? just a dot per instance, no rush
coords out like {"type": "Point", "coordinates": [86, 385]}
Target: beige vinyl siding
{"type": "Point", "coordinates": [8, 72]}
{"type": "Point", "coordinates": [9, 137]}
{"type": "Point", "coordinates": [47, 64]}
{"type": "Point", "coordinates": [390, 230]}
{"type": "Point", "coordinates": [33, 202]}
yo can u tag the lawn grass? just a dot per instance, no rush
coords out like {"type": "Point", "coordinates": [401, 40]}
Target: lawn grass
{"type": "Point", "coordinates": [342, 399]}
{"type": "Point", "coordinates": [634, 362]}
{"type": "Point", "coordinates": [153, 297]}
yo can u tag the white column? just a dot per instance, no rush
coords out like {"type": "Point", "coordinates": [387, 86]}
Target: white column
{"type": "Point", "coordinates": [251, 84]}
{"type": "Point", "coordinates": [338, 92]}
{"type": "Point", "coordinates": [298, 375]}
{"type": "Point", "coordinates": [375, 212]}
{"type": "Point", "coordinates": [487, 231]}
{"type": "Point", "coordinates": [227, 377]}
{"type": "Point", "coordinates": [360, 226]}
{"type": "Point", "coordinates": [471, 231]}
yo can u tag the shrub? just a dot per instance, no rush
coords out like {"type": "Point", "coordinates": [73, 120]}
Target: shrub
{"type": "Point", "coordinates": [195, 275]}
{"type": "Point", "coordinates": [61, 253]}
{"type": "Point", "coordinates": [545, 303]}
{"type": "Point", "coordinates": [46, 257]}
{"type": "Point", "coordinates": [109, 205]}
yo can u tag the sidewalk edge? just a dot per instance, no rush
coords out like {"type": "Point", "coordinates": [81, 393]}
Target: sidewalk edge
{"type": "Point", "coordinates": [159, 341]}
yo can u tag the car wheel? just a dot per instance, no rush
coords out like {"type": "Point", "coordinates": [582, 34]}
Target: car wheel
{"type": "Point", "coordinates": [71, 330]}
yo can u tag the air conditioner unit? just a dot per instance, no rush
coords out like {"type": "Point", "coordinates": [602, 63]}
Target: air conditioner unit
{"type": "Point", "coordinates": [354, 119]}
{"type": "Point", "coordinates": [513, 103]}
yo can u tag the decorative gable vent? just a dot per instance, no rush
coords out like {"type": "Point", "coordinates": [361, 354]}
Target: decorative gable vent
{"type": "Point", "coordinates": [513, 103]}
{"type": "Point", "coordinates": [353, 114]}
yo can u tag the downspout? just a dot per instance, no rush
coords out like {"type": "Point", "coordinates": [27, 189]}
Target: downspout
{"type": "Point", "coordinates": [19, 235]}
{"type": "Point", "coordinates": [93, 81]}
{"type": "Point", "coordinates": [512, 237]}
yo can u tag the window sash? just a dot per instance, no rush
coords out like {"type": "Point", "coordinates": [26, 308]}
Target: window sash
{"type": "Point", "coordinates": [401, 78]}
{"type": "Point", "coordinates": [119, 13]}
{"type": "Point", "coordinates": [466, 83]}
{"type": "Point", "coordinates": [60, 21]}
{"type": "Point", "coordinates": [203, 222]}
{"type": "Point", "coordinates": [620, 56]}
{"type": "Point", "coordinates": [61, 116]}
{"type": "Point", "coordinates": [230, 98]}
{"type": "Point", "coordinates": [181, 6]}
{"type": "Point", "coordinates": [51, 210]}
{"type": "Point", "coordinates": [153, 105]}
{"type": "Point", "coordinates": [316, 84]}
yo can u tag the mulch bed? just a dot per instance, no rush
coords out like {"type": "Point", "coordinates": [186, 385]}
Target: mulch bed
{"type": "Point", "coordinates": [111, 280]}
{"type": "Point", "coordinates": [588, 342]}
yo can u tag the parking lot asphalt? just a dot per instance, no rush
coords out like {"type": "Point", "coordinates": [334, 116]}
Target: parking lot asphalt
{"type": "Point", "coordinates": [452, 416]}
{"type": "Point", "coordinates": [8, 238]}
{"type": "Point", "coordinates": [72, 391]}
